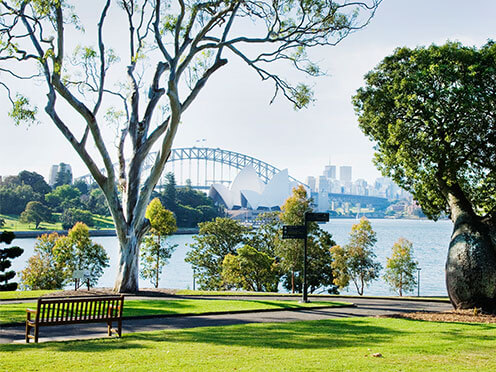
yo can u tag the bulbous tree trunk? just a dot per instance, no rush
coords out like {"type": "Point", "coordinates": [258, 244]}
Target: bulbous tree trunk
{"type": "Point", "coordinates": [471, 264]}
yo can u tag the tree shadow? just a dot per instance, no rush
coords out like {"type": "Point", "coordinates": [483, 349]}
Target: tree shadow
{"type": "Point", "coordinates": [323, 334]}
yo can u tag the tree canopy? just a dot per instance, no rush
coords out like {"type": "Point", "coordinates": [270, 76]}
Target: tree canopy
{"type": "Point", "coordinates": [356, 260]}
{"type": "Point", "coordinates": [6, 255]}
{"type": "Point", "coordinates": [290, 251]}
{"type": "Point", "coordinates": [431, 112]}
{"type": "Point", "coordinates": [401, 267]}
{"type": "Point", "coordinates": [167, 53]}
{"type": "Point", "coordinates": [215, 240]}
{"type": "Point", "coordinates": [155, 252]}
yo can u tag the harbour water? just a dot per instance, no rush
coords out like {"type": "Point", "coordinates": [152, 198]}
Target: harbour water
{"type": "Point", "coordinates": [430, 242]}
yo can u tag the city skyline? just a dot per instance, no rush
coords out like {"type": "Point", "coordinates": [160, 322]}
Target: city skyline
{"type": "Point", "coordinates": [235, 105]}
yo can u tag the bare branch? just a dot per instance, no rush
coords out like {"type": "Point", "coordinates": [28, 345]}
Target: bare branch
{"type": "Point", "coordinates": [101, 46]}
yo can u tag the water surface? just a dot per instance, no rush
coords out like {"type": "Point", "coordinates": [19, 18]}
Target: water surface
{"type": "Point", "coordinates": [430, 242]}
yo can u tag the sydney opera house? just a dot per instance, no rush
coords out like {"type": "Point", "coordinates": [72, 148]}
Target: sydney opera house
{"type": "Point", "coordinates": [248, 191]}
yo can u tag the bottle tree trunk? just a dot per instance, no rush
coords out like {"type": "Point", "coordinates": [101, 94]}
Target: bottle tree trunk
{"type": "Point", "coordinates": [471, 263]}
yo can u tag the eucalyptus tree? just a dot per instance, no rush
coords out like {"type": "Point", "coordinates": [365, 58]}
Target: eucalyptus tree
{"type": "Point", "coordinates": [431, 112]}
{"type": "Point", "coordinates": [167, 50]}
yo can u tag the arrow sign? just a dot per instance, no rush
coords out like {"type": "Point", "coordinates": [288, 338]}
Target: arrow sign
{"type": "Point", "coordinates": [317, 217]}
{"type": "Point", "coordinates": [294, 232]}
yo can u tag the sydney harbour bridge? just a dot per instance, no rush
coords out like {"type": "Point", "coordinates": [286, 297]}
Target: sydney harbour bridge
{"type": "Point", "coordinates": [204, 166]}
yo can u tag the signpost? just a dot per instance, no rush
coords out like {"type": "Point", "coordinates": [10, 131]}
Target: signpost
{"type": "Point", "coordinates": [294, 232]}
{"type": "Point", "coordinates": [301, 232]}
{"type": "Point", "coordinates": [317, 217]}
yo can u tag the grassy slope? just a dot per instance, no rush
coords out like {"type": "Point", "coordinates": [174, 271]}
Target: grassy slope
{"type": "Point", "coordinates": [16, 312]}
{"type": "Point", "coordinates": [12, 223]}
{"type": "Point", "coordinates": [329, 345]}
{"type": "Point", "coordinates": [4, 295]}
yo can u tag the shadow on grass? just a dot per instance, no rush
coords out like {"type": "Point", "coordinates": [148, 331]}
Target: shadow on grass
{"type": "Point", "coordinates": [326, 334]}
{"type": "Point", "coordinates": [10, 313]}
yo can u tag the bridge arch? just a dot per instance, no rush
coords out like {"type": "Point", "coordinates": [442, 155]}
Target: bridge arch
{"type": "Point", "coordinates": [218, 156]}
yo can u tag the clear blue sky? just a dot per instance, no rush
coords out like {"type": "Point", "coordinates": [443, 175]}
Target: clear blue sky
{"type": "Point", "coordinates": [233, 111]}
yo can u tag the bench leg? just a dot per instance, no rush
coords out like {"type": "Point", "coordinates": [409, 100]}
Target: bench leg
{"type": "Point", "coordinates": [109, 328]}
{"type": "Point", "coordinates": [36, 331]}
{"type": "Point", "coordinates": [27, 332]}
{"type": "Point", "coordinates": [119, 327]}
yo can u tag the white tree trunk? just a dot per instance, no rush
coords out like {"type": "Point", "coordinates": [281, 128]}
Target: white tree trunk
{"type": "Point", "coordinates": [127, 276]}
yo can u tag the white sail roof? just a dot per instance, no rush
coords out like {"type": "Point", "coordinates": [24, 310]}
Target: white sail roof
{"type": "Point", "coordinates": [247, 187]}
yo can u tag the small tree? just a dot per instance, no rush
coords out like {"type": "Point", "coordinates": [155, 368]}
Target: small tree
{"type": "Point", "coordinates": [291, 251]}
{"type": "Point", "coordinates": [77, 251]}
{"type": "Point", "coordinates": [36, 213]}
{"type": "Point", "coordinates": [400, 267]}
{"type": "Point", "coordinates": [155, 252]}
{"type": "Point", "coordinates": [215, 240]}
{"type": "Point", "coordinates": [6, 254]}
{"type": "Point", "coordinates": [355, 261]}
{"type": "Point", "coordinates": [43, 271]}
{"type": "Point", "coordinates": [72, 216]}
{"type": "Point", "coordinates": [266, 238]}
{"type": "Point", "coordinates": [63, 197]}
{"type": "Point", "coordinates": [319, 269]}
{"type": "Point", "coordinates": [250, 270]}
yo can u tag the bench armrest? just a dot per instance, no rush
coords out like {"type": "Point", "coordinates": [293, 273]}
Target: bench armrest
{"type": "Point", "coordinates": [28, 314]}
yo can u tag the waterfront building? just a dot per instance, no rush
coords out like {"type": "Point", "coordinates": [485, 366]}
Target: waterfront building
{"type": "Point", "coordinates": [248, 191]}
{"type": "Point", "coordinates": [345, 174]}
{"type": "Point", "coordinates": [330, 172]}
{"type": "Point", "coordinates": [311, 182]}
{"type": "Point", "coordinates": [323, 184]}
{"type": "Point", "coordinates": [61, 174]}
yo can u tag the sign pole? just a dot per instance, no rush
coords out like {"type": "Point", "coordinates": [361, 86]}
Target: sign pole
{"type": "Point", "coordinates": [301, 232]}
{"type": "Point", "coordinates": [305, 294]}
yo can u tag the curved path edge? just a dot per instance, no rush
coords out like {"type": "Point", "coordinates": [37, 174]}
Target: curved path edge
{"type": "Point", "coordinates": [363, 307]}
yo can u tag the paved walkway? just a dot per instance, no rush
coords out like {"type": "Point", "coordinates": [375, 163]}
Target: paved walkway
{"type": "Point", "coordinates": [364, 307]}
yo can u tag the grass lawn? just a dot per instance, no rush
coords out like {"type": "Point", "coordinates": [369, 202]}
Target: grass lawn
{"type": "Point", "coordinates": [16, 312]}
{"type": "Point", "coordinates": [4, 295]}
{"type": "Point", "coordinates": [12, 223]}
{"type": "Point", "coordinates": [328, 345]}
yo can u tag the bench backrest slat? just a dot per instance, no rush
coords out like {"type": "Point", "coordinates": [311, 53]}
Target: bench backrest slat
{"type": "Point", "coordinates": [79, 309]}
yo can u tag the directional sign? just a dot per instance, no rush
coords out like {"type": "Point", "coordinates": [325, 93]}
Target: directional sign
{"type": "Point", "coordinates": [318, 217]}
{"type": "Point", "coordinates": [294, 232]}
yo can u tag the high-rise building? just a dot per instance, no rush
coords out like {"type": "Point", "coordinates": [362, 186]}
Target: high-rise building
{"type": "Point", "coordinates": [60, 175]}
{"type": "Point", "coordinates": [345, 173]}
{"type": "Point", "coordinates": [323, 184]}
{"type": "Point", "coordinates": [52, 176]}
{"type": "Point", "coordinates": [330, 172]}
{"type": "Point", "coordinates": [311, 183]}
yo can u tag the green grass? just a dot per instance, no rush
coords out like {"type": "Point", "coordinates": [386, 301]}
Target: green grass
{"type": "Point", "coordinates": [12, 223]}
{"type": "Point", "coordinates": [327, 345]}
{"type": "Point", "coordinates": [16, 312]}
{"type": "Point", "coordinates": [6, 295]}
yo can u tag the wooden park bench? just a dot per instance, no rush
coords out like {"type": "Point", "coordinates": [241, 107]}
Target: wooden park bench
{"type": "Point", "coordinates": [75, 310]}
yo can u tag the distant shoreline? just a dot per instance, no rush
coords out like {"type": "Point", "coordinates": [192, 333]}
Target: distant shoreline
{"type": "Point", "coordinates": [94, 233]}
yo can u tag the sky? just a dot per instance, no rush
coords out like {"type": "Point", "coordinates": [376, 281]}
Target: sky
{"type": "Point", "coordinates": [233, 110]}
